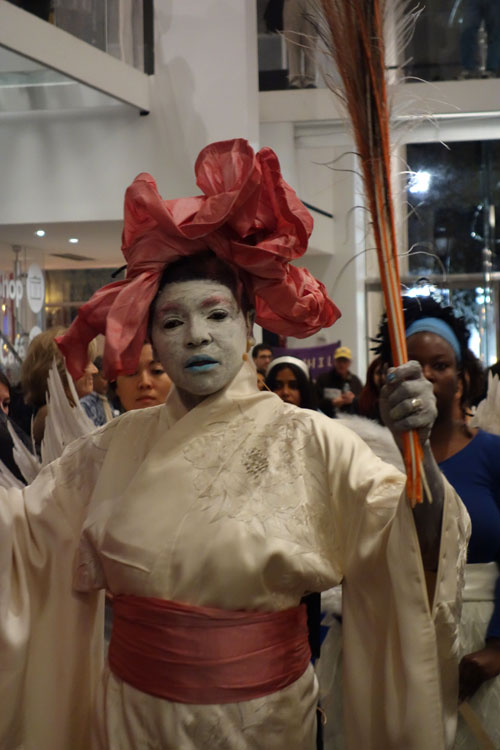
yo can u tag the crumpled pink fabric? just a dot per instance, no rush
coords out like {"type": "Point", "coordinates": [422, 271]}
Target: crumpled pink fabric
{"type": "Point", "coordinates": [248, 216]}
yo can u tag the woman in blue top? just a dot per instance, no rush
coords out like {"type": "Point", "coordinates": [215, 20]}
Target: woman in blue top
{"type": "Point", "coordinates": [470, 460]}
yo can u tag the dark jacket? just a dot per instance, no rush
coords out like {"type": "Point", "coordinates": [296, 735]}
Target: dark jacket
{"type": "Point", "coordinates": [333, 379]}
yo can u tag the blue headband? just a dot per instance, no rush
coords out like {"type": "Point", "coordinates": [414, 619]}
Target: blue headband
{"type": "Point", "coordinates": [438, 326]}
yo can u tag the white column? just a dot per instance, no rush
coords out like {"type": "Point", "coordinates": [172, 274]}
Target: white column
{"type": "Point", "coordinates": [336, 266]}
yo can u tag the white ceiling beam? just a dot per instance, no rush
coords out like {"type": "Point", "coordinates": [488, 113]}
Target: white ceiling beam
{"type": "Point", "coordinates": [443, 100]}
{"type": "Point", "coordinates": [43, 42]}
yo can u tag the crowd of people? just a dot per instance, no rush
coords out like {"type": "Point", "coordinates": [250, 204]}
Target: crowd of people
{"type": "Point", "coordinates": [209, 505]}
{"type": "Point", "coordinates": [102, 400]}
{"type": "Point", "coordinates": [437, 339]}
{"type": "Point", "coordinates": [333, 392]}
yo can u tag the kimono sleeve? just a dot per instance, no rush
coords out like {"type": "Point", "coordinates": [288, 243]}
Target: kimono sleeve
{"type": "Point", "coordinates": [50, 636]}
{"type": "Point", "coordinates": [399, 649]}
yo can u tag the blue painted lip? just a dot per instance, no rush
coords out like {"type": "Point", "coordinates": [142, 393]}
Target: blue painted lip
{"type": "Point", "coordinates": [200, 363]}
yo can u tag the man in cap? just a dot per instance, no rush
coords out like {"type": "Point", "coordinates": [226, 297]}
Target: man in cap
{"type": "Point", "coordinates": [337, 389]}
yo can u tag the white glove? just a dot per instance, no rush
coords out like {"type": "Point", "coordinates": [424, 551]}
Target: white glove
{"type": "Point", "coordinates": [407, 402]}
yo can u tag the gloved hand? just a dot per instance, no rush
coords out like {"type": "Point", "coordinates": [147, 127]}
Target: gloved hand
{"type": "Point", "coordinates": [407, 402]}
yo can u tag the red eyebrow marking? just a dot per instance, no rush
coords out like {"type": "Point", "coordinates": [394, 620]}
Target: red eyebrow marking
{"type": "Point", "coordinates": [215, 299]}
{"type": "Point", "coordinates": [212, 301]}
{"type": "Point", "coordinates": [168, 307]}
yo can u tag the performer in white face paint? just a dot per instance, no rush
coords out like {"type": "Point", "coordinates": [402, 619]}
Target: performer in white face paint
{"type": "Point", "coordinates": [200, 331]}
{"type": "Point", "coordinates": [208, 518]}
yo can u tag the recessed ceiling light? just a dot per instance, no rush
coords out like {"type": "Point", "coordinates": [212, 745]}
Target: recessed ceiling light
{"type": "Point", "coordinates": [40, 232]}
{"type": "Point", "coordinates": [73, 240]}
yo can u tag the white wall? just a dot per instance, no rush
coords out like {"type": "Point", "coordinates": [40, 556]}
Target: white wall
{"type": "Point", "coordinates": [335, 242]}
{"type": "Point", "coordinates": [343, 272]}
{"type": "Point", "coordinates": [75, 166]}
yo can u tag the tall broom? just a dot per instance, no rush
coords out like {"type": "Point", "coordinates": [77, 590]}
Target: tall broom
{"type": "Point", "coordinates": [353, 32]}
{"type": "Point", "coordinates": [354, 37]}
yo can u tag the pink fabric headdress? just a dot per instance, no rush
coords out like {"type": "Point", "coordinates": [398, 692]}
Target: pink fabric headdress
{"type": "Point", "coordinates": [248, 216]}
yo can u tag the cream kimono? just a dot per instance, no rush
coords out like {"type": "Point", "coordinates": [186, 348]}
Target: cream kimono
{"type": "Point", "coordinates": [244, 502]}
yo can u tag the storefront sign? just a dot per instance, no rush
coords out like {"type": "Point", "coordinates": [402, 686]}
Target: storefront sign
{"type": "Point", "coordinates": [35, 288]}
{"type": "Point", "coordinates": [13, 289]}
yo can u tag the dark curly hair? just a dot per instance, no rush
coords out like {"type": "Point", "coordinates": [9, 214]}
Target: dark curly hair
{"type": "Point", "coordinates": [470, 370]}
{"type": "Point", "coordinates": [367, 401]}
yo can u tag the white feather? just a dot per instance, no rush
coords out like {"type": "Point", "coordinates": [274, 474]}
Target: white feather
{"type": "Point", "coordinates": [64, 422]}
{"type": "Point", "coordinates": [377, 437]}
{"type": "Point", "coordinates": [487, 415]}
{"type": "Point", "coordinates": [27, 463]}
{"type": "Point", "coordinates": [7, 478]}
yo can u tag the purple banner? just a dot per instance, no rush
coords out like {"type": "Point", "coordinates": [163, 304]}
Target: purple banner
{"type": "Point", "coordinates": [319, 359]}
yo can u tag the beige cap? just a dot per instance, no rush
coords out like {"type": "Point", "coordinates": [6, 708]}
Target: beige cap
{"type": "Point", "coordinates": [342, 351]}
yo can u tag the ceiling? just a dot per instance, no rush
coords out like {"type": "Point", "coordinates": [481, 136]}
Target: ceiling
{"type": "Point", "coordinates": [98, 244]}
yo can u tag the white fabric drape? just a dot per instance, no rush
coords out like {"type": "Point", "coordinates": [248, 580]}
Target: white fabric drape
{"type": "Point", "coordinates": [242, 503]}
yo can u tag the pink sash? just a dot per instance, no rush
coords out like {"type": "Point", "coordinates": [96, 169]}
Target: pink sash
{"type": "Point", "coordinates": [201, 655]}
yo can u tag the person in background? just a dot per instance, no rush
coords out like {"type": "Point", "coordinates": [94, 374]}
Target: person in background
{"type": "Point", "coordinates": [97, 405]}
{"type": "Point", "coordinates": [85, 385]}
{"type": "Point", "coordinates": [35, 369]}
{"type": "Point", "coordinates": [300, 35]}
{"type": "Point", "coordinates": [288, 377]}
{"type": "Point", "coordinates": [4, 394]}
{"type": "Point", "coordinates": [469, 459]}
{"type": "Point", "coordinates": [262, 355]}
{"type": "Point", "coordinates": [6, 443]}
{"type": "Point", "coordinates": [366, 404]}
{"type": "Point", "coordinates": [337, 389]}
{"type": "Point", "coordinates": [149, 385]}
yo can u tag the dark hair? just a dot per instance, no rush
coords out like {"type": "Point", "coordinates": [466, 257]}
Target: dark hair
{"type": "Point", "coordinates": [5, 381]}
{"type": "Point", "coordinates": [204, 265]}
{"type": "Point", "coordinates": [36, 366]}
{"type": "Point", "coordinates": [98, 362]}
{"type": "Point", "coordinates": [367, 401]}
{"type": "Point", "coordinates": [470, 369]}
{"type": "Point", "coordinates": [258, 348]}
{"type": "Point", "coordinates": [307, 395]}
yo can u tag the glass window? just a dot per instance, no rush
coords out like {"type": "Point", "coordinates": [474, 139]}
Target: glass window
{"type": "Point", "coordinates": [453, 194]}
{"type": "Point", "coordinates": [67, 290]}
{"type": "Point", "coordinates": [455, 40]}
{"type": "Point", "coordinates": [123, 30]}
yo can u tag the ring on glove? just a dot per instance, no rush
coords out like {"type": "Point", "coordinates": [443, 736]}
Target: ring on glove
{"type": "Point", "coordinates": [416, 405]}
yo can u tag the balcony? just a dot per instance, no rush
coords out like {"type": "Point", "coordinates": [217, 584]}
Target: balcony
{"type": "Point", "coordinates": [43, 67]}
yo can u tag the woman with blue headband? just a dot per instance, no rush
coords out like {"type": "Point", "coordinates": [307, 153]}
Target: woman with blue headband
{"type": "Point", "coordinates": [470, 460]}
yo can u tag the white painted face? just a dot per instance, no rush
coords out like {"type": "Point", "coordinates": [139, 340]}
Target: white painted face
{"type": "Point", "coordinates": [199, 335]}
